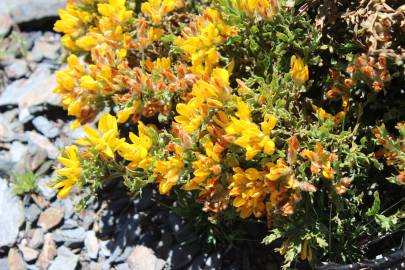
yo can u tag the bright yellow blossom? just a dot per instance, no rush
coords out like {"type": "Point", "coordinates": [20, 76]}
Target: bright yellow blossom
{"type": "Point", "coordinates": [320, 161]}
{"type": "Point", "coordinates": [70, 174]}
{"type": "Point", "coordinates": [200, 40]}
{"type": "Point", "coordinates": [105, 139]}
{"type": "Point", "coordinates": [137, 152]}
{"type": "Point", "coordinates": [169, 170]}
{"type": "Point", "coordinates": [249, 192]}
{"type": "Point", "coordinates": [249, 136]}
{"type": "Point", "coordinates": [156, 9]}
{"type": "Point", "coordinates": [115, 10]}
{"type": "Point", "coordinates": [205, 167]}
{"type": "Point", "coordinates": [299, 71]}
{"type": "Point", "coordinates": [263, 8]}
{"type": "Point", "coordinates": [189, 117]}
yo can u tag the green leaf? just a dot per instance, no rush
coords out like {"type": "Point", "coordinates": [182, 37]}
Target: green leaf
{"type": "Point", "coordinates": [376, 206]}
{"type": "Point", "coordinates": [386, 223]}
{"type": "Point", "coordinates": [282, 36]}
{"type": "Point", "coordinates": [275, 234]}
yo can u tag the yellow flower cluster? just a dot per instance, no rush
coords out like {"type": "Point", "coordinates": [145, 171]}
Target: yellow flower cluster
{"type": "Point", "coordinates": [320, 161]}
{"type": "Point", "coordinates": [299, 71]}
{"type": "Point", "coordinates": [249, 135]}
{"type": "Point", "coordinates": [70, 174]}
{"type": "Point", "coordinates": [205, 95]}
{"type": "Point", "coordinates": [260, 192]}
{"type": "Point", "coordinates": [255, 8]}
{"type": "Point", "coordinates": [126, 66]}
{"type": "Point", "coordinates": [201, 38]}
{"type": "Point", "coordinates": [156, 9]}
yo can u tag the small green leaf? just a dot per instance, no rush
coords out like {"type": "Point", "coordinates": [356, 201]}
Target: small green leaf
{"type": "Point", "coordinates": [376, 206]}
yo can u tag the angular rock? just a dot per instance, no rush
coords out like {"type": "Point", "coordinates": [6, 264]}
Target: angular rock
{"type": "Point", "coordinates": [28, 10]}
{"type": "Point", "coordinates": [11, 215]}
{"type": "Point", "coordinates": [50, 218]}
{"type": "Point", "coordinates": [37, 158]}
{"type": "Point", "coordinates": [143, 258]}
{"type": "Point", "coordinates": [29, 254]}
{"type": "Point", "coordinates": [69, 224]}
{"type": "Point", "coordinates": [45, 126]}
{"type": "Point", "coordinates": [32, 213]}
{"type": "Point", "coordinates": [104, 248]}
{"type": "Point", "coordinates": [65, 260]}
{"type": "Point", "coordinates": [42, 142]}
{"type": "Point", "coordinates": [48, 252]}
{"type": "Point", "coordinates": [18, 151]}
{"type": "Point", "coordinates": [69, 207]}
{"type": "Point", "coordinates": [44, 188]}
{"type": "Point", "coordinates": [37, 89]}
{"type": "Point", "coordinates": [5, 24]}
{"type": "Point", "coordinates": [6, 130]}
{"type": "Point", "coordinates": [17, 69]}
{"type": "Point", "coordinates": [122, 266]}
{"type": "Point", "coordinates": [71, 238]}
{"type": "Point", "coordinates": [37, 238]}
{"type": "Point", "coordinates": [92, 245]}
{"type": "Point", "coordinates": [24, 115]}
{"type": "Point", "coordinates": [46, 46]}
{"type": "Point", "coordinates": [3, 264]}
{"type": "Point", "coordinates": [15, 260]}
{"type": "Point", "coordinates": [40, 201]}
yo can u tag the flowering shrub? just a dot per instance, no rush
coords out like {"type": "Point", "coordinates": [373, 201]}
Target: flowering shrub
{"type": "Point", "coordinates": [255, 108]}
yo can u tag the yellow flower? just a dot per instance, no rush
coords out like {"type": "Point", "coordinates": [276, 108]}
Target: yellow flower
{"type": "Point", "coordinates": [169, 170]}
{"type": "Point", "coordinates": [206, 166]}
{"type": "Point", "coordinates": [156, 9]}
{"type": "Point", "coordinates": [72, 20]}
{"type": "Point", "coordinates": [264, 8]}
{"type": "Point", "coordinates": [137, 152]}
{"type": "Point", "coordinates": [249, 136]}
{"type": "Point", "coordinates": [115, 10]}
{"type": "Point", "coordinates": [105, 139]}
{"type": "Point", "coordinates": [320, 161]}
{"type": "Point", "coordinates": [154, 34]}
{"type": "Point", "coordinates": [299, 71]}
{"type": "Point", "coordinates": [86, 42]}
{"type": "Point", "coordinates": [323, 115]}
{"type": "Point", "coordinates": [189, 117]}
{"type": "Point", "coordinates": [278, 170]}
{"type": "Point", "coordinates": [249, 192]}
{"type": "Point", "coordinates": [70, 174]}
{"type": "Point", "coordinates": [88, 83]}
{"type": "Point", "coordinates": [200, 40]}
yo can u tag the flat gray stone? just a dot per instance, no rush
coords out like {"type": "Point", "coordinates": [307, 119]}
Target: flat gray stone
{"type": "Point", "coordinates": [92, 245]}
{"type": "Point", "coordinates": [65, 260]}
{"type": "Point", "coordinates": [17, 69]}
{"type": "Point", "coordinates": [45, 189]}
{"type": "Point", "coordinates": [71, 237]}
{"type": "Point", "coordinates": [28, 10]}
{"type": "Point", "coordinates": [37, 89]}
{"type": "Point", "coordinates": [45, 126]}
{"type": "Point", "coordinates": [37, 238]}
{"type": "Point", "coordinates": [29, 254]}
{"type": "Point", "coordinates": [32, 212]}
{"type": "Point", "coordinates": [15, 260]}
{"type": "Point", "coordinates": [11, 215]}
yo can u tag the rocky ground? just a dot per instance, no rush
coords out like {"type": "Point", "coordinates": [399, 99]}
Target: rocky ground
{"type": "Point", "coordinates": [116, 231]}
